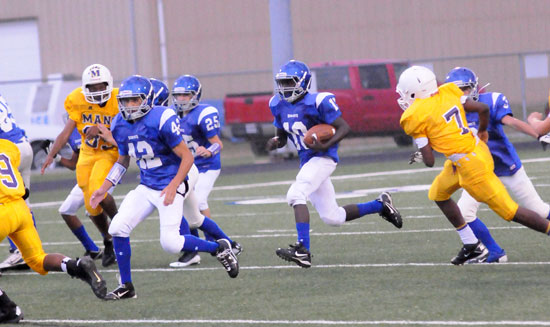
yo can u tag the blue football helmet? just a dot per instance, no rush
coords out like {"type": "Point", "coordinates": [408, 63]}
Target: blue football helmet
{"type": "Point", "coordinates": [160, 92]}
{"type": "Point", "coordinates": [186, 85]}
{"type": "Point", "coordinates": [135, 97]}
{"type": "Point", "coordinates": [293, 80]}
{"type": "Point", "coordinates": [464, 77]}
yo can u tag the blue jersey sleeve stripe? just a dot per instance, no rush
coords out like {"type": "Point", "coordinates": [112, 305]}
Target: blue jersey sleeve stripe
{"type": "Point", "coordinates": [205, 112]}
{"type": "Point", "coordinates": [165, 116]}
{"type": "Point", "coordinates": [320, 97]}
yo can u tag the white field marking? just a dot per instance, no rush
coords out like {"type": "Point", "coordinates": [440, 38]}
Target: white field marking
{"type": "Point", "coordinates": [292, 266]}
{"type": "Point", "coordinates": [352, 176]}
{"type": "Point", "coordinates": [293, 234]}
{"type": "Point", "coordinates": [288, 182]}
{"type": "Point", "coordinates": [343, 195]}
{"type": "Point", "coordinates": [294, 322]}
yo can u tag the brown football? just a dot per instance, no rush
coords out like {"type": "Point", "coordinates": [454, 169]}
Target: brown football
{"type": "Point", "coordinates": [321, 133]}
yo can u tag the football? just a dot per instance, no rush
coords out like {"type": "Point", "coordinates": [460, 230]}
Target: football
{"type": "Point", "coordinates": [321, 133]}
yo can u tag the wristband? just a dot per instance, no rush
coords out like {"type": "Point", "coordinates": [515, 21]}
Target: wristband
{"type": "Point", "coordinates": [214, 148]}
{"type": "Point", "coordinates": [116, 173]}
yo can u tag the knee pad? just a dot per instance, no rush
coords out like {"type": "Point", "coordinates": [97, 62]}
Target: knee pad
{"type": "Point", "coordinates": [70, 206]}
{"type": "Point", "coordinates": [295, 196]}
{"type": "Point", "coordinates": [119, 228]}
{"type": "Point", "coordinates": [171, 241]}
{"type": "Point", "coordinates": [196, 221]}
{"type": "Point", "coordinates": [335, 218]}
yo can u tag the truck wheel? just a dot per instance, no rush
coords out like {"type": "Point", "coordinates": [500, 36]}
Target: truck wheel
{"type": "Point", "coordinates": [403, 140]}
{"type": "Point", "coordinates": [258, 147]}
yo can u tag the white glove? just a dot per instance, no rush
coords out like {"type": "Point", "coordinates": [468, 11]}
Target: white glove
{"type": "Point", "coordinates": [415, 157]}
{"type": "Point", "coordinates": [544, 140]}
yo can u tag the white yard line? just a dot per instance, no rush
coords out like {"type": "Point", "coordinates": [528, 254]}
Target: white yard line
{"type": "Point", "coordinates": [294, 322]}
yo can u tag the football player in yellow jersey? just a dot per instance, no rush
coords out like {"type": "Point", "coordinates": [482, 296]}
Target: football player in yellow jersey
{"type": "Point", "coordinates": [435, 118]}
{"type": "Point", "coordinates": [92, 104]}
{"type": "Point", "coordinates": [16, 222]}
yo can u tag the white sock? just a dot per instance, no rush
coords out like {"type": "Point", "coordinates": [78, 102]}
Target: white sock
{"type": "Point", "coordinates": [64, 264]}
{"type": "Point", "coordinates": [467, 235]}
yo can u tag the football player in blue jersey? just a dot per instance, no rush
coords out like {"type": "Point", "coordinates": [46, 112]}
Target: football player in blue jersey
{"type": "Point", "coordinates": [151, 135]}
{"type": "Point", "coordinates": [161, 92]}
{"type": "Point", "coordinates": [507, 164]}
{"type": "Point", "coordinates": [296, 110]}
{"type": "Point", "coordinates": [200, 127]}
{"type": "Point", "coordinates": [9, 130]}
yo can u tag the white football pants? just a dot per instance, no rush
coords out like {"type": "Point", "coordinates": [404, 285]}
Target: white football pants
{"type": "Point", "coordinates": [26, 162]}
{"type": "Point", "coordinates": [75, 201]}
{"type": "Point", "coordinates": [204, 186]}
{"type": "Point", "coordinates": [519, 186]}
{"type": "Point", "coordinates": [313, 183]}
{"type": "Point", "coordinates": [140, 203]}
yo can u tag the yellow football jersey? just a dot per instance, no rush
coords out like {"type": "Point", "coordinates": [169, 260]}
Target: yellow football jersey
{"type": "Point", "coordinates": [440, 118]}
{"type": "Point", "coordinates": [11, 182]}
{"type": "Point", "coordinates": [87, 114]}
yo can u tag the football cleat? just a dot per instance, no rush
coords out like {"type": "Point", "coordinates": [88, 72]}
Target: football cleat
{"type": "Point", "coordinates": [87, 271]}
{"type": "Point", "coordinates": [296, 253]}
{"type": "Point", "coordinates": [187, 259]}
{"type": "Point", "coordinates": [94, 254]}
{"type": "Point", "coordinates": [236, 248]}
{"type": "Point", "coordinates": [14, 261]}
{"type": "Point", "coordinates": [13, 317]}
{"type": "Point", "coordinates": [227, 258]}
{"type": "Point", "coordinates": [109, 256]}
{"type": "Point", "coordinates": [389, 212]}
{"type": "Point", "coordinates": [471, 253]}
{"type": "Point", "coordinates": [497, 257]}
{"type": "Point", "coordinates": [122, 292]}
{"type": "Point", "coordinates": [10, 313]}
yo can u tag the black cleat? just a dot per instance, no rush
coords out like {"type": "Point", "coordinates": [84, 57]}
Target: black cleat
{"type": "Point", "coordinates": [187, 259]}
{"type": "Point", "coordinates": [87, 271]}
{"type": "Point", "coordinates": [296, 253]}
{"type": "Point", "coordinates": [94, 254]}
{"type": "Point", "coordinates": [227, 258]}
{"type": "Point", "coordinates": [471, 253]}
{"type": "Point", "coordinates": [389, 212]}
{"type": "Point", "coordinates": [236, 248]}
{"type": "Point", "coordinates": [122, 292]}
{"type": "Point", "coordinates": [10, 313]}
{"type": "Point", "coordinates": [109, 256]}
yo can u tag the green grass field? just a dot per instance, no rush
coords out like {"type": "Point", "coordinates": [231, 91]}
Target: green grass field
{"type": "Point", "coordinates": [364, 273]}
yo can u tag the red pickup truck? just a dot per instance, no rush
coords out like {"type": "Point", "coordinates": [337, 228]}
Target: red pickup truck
{"type": "Point", "coordinates": [364, 90]}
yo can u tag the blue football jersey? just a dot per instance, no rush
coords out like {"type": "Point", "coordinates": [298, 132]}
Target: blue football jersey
{"type": "Point", "coordinates": [150, 140]}
{"type": "Point", "coordinates": [8, 128]}
{"type": "Point", "coordinates": [200, 124]}
{"type": "Point", "coordinates": [75, 140]}
{"type": "Point", "coordinates": [296, 118]}
{"type": "Point", "coordinates": [504, 154]}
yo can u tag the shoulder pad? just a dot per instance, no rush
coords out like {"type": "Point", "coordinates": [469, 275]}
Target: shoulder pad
{"type": "Point", "coordinates": [322, 96]}
{"type": "Point", "coordinates": [274, 100]}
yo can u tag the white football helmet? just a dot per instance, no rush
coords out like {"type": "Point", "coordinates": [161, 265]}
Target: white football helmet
{"type": "Point", "coordinates": [416, 82]}
{"type": "Point", "coordinates": [96, 74]}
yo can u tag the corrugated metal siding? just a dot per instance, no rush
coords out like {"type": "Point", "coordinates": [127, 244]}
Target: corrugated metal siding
{"type": "Point", "coordinates": [218, 36]}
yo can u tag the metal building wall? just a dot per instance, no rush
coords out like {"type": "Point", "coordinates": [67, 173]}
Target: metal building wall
{"type": "Point", "coordinates": [215, 38]}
